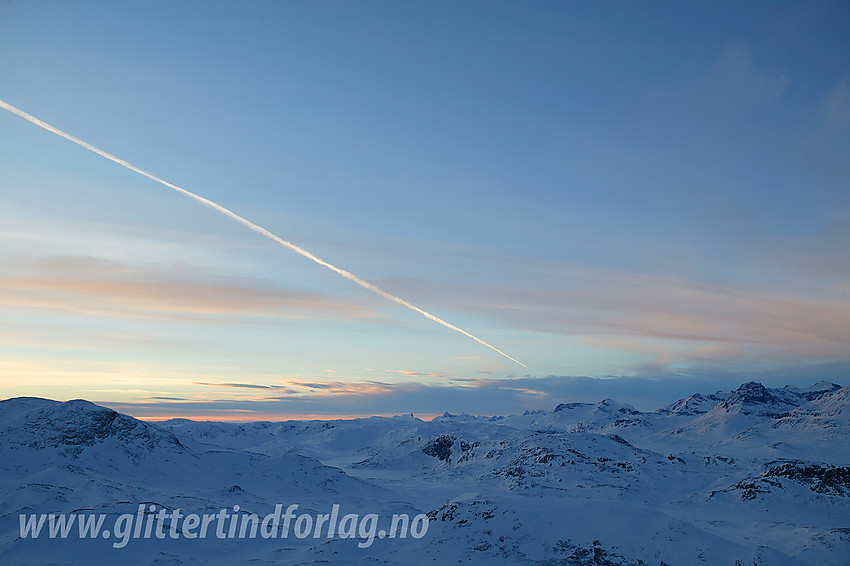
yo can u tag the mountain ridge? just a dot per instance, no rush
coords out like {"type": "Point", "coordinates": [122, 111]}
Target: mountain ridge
{"type": "Point", "coordinates": [757, 475]}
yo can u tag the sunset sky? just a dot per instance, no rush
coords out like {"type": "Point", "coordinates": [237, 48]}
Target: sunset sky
{"type": "Point", "coordinates": [636, 200]}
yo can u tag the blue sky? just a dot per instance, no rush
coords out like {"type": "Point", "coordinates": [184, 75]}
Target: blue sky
{"type": "Point", "coordinates": [636, 200]}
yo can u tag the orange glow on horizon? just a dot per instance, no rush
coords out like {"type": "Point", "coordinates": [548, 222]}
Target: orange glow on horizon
{"type": "Point", "coordinates": [258, 417]}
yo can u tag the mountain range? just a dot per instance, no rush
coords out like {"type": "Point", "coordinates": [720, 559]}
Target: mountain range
{"type": "Point", "coordinates": [754, 476]}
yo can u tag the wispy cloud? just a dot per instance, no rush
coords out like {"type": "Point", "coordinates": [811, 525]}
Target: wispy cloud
{"type": "Point", "coordinates": [295, 388]}
{"type": "Point", "coordinates": [248, 386]}
{"type": "Point", "coordinates": [736, 78]}
{"type": "Point", "coordinates": [837, 103]}
{"type": "Point", "coordinates": [718, 97]}
{"type": "Point", "coordinates": [420, 373]}
{"type": "Point", "coordinates": [96, 287]}
{"type": "Point", "coordinates": [631, 311]}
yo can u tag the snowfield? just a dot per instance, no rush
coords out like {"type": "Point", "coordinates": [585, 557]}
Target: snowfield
{"type": "Point", "coordinates": [755, 476]}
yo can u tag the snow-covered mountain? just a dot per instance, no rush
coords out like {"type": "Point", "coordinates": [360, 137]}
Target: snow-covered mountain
{"type": "Point", "coordinates": [752, 476]}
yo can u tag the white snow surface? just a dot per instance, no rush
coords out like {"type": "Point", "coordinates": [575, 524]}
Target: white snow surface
{"type": "Point", "coordinates": [756, 476]}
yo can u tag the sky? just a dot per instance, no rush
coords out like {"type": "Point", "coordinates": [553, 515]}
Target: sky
{"type": "Point", "coordinates": [636, 200]}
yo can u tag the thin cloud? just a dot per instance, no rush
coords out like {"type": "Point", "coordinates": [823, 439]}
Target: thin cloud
{"type": "Point", "coordinates": [96, 287]}
{"type": "Point", "coordinates": [248, 386]}
{"type": "Point", "coordinates": [837, 103]}
{"type": "Point", "coordinates": [736, 78]}
{"type": "Point", "coordinates": [299, 388]}
{"type": "Point", "coordinates": [717, 98]}
{"type": "Point", "coordinates": [420, 373]}
{"type": "Point", "coordinates": [655, 310]}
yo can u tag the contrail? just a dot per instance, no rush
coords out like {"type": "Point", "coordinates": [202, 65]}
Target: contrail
{"type": "Point", "coordinates": [251, 225]}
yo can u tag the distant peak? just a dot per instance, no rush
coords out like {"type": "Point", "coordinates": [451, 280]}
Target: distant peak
{"type": "Point", "coordinates": [754, 398]}
{"type": "Point", "coordinates": [566, 406]}
{"type": "Point", "coordinates": [824, 385]}
{"type": "Point", "coordinates": [751, 393]}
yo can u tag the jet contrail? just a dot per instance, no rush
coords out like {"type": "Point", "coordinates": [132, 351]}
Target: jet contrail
{"type": "Point", "coordinates": [249, 224]}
